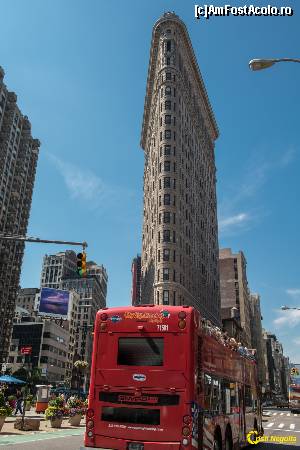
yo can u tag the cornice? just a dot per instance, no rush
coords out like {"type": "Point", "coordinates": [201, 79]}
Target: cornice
{"type": "Point", "coordinates": [172, 18]}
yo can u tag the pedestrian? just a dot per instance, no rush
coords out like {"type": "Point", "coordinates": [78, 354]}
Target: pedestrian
{"type": "Point", "coordinates": [19, 397]}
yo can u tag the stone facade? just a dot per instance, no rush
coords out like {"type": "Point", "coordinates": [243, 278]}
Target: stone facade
{"type": "Point", "coordinates": [257, 337]}
{"type": "Point", "coordinates": [180, 232]}
{"type": "Point", "coordinates": [27, 298]}
{"type": "Point", "coordinates": [234, 288]}
{"type": "Point", "coordinates": [18, 160]}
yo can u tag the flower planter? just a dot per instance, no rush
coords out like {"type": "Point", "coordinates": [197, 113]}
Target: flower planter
{"type": "Point", "coordinates": [74, 421]}
{"type": "Point", "coordinates": [27, 407]}
{"type": "Point", "coordinates": [2, 420]}
{"type": "Point", "coordinates": [56, 423]}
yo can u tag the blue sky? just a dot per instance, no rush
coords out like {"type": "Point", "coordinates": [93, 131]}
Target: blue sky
{"type": "Point", "coordinates": [79, 69]}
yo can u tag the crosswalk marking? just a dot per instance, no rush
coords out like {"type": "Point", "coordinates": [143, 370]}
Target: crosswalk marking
{"type": "Point", "coordinates": [281, 414]}
{"type": "Point", "coordinates": [270, 424]}
{"type": "Point", "coordinates": [274, 414]}
{"type": "Point", "coordinates": [292, 426]}
{"type": "Point", "coordinates": [288, 414]}
{"type": "Point", "coordinates": [295, 415]}
{"type": "Point", "coordinates": [281, 425]}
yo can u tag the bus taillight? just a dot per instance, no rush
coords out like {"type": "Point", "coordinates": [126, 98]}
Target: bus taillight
{"type": "Point", "coordinates": [103, 326]}
{"type": "Point", "coordinates": [90, 424]}
{"type": "Point", "coordinates": [186, 431]}
{"type": "Point", "coordinates": [187, 419]}
{"type": "Point", "coordinates": [90, 413]}
{"type": "Point", "coordinates": [182, 315]}
{"type": "Point", "coordinates": [181, 324]}
{"type": "Point", "coordinates": [185, 441]}
{"type": "Point", "coordinates": [103, 316]}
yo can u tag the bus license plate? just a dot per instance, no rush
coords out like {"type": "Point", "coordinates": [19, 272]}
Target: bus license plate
{"type": "Point", "coordinates": [135, 446]}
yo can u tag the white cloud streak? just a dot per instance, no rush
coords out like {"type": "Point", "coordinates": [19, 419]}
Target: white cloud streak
{"type": "Point", "coordinates": [289, 318]}
{"type": "Point", "coordinates": [295, 293]}
{"type": "Point", "coordinates": [83, 184]}
{"type": "Point", "coordinates": [237, 220]}
{"type": "Point", "coordinates": [232, 222]}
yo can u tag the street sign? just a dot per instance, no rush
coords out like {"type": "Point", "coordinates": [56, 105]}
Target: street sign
{"type": "Point", "coordinates": [26, 350]}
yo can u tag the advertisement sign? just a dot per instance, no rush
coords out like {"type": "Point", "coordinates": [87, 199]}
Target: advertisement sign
{"type": "Point", "coordinates": [54, 303]}
{"type": "Point", "coordinates": [26, 350]}
{"type": "Point", "coordinates": [295, 383]}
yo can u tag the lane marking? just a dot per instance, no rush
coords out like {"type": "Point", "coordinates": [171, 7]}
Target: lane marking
{"type": "Point", "coordinates": [270, 424]}
{"type": "Point", "coordinates": [281, 425]}
{"type": "Point", "coordinates": [281, 414]}
{"type": "Point", "coordinates": [274, 414]}
{"type": "Point", "coordinates": [288, 414]}
{"type": "Point", "coordinates": [292, 426]}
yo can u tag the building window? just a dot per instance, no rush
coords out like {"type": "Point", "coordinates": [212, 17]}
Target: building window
{"type": "Point", "coordinates": [167, 105]}
{"type": "Point", "coordinates": [167, 166]}
{"type": "Point", "coordinates": [168, 90]}
{"type": "Point", "coordinates": [168, 76]}
{"type": "Point", "coordinates": [168, 134]}
{"type": "Point", "coordinates": [166, 254]}
{"type": "Point", "coordinates": [166, 235]}
{"type": "Point", "coordinates": [168, 45]}
{"type": "Point", "coordinates": [167, 217]}
{"type": "Point", "coordinates": [165, 297]}
{"type": "Point", "coordinates": [167, 182]}
{"type": "Point", "coordinates": [167, 199]}
{"type": "Point", "coordinates": [174, 275]}
{"type": "Point", "coordinates": [157, 297]}
{"type": "Point", "coordinates": [158, 255]}
{"type": "Point", "coordinates": [168, 119]}
{"type": "Point", "coordinates": [174, 298]}
{"type": "Point", "coordinates": [167, 150]}
{"type": "Point", "coordinates": [165, 274]}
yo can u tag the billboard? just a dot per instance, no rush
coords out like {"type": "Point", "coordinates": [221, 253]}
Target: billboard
{"type": "Point", "coordinates": [295, 382]}
{"type": "Point", "coordinates": [54, 303]}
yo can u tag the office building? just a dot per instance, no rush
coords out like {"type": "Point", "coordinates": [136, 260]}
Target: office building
{"type": "Point", "coordinates": [234, 290]}
{"type": "Point", "coordinates": [26, 299]}
{"type": "Point", "coordinates": [136, 268]}
{"type": "Point", "coordinates": [257, 336]}
{"type": "Point", "coordinates": [18, 160]}
{"type": "Point", "coordinates": [180, 231]}
{"type": "Point", "coordinates": [58, 266]}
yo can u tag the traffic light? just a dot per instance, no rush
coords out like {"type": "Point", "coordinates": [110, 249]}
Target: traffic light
{"type": "Point", "coordinates": [294, 371]}
{"type": "Point", "coordinates": [81, 264]}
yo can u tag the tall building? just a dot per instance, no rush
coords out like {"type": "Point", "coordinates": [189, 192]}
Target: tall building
{"type": "Point", "coordinates": [59, 271]}
{"type": "Point", "coordinates": [136, 268]}
{"type": "Point", "coordinates": [49, 344]}
{"type": "Point", "coordinates": [18, 160]}
{"type": "Point", "coordinates": [92, 291]}
{"type": "Point", "coordinates": [58, 266]}
{"type": "Point", "coordinates": [234, 289]}
{"type": "Point", "coordinates": [256, 336]}
{"type": "Point", "coordinates": [180, 231]}
{"type": "Point", "coordinates": [27, 298]}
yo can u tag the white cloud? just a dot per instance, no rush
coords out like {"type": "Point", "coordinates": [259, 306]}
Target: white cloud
{"type": "Point", "coordinates": [291, 318]}
{"type": "Point", "coordinates": [81, 183]}
{"type": "Point", "coordinates": [293, 292]}
{"type": "Point", "coordinates": [237, 220]}
{"type": "Point", "coordinates": [297, 341]}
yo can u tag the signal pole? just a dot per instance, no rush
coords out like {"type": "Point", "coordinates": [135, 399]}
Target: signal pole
{"type": "Point", "coordinates": [9, 237]}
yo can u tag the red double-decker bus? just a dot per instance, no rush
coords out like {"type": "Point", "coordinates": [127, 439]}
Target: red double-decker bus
{"type": "Point", "coordinates": [159, 380]}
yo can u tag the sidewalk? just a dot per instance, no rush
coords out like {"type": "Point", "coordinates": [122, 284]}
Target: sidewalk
{"type": "Point", "coordinates": [32, 414]}
{"type": "Point", "coordinates": [9, 434]}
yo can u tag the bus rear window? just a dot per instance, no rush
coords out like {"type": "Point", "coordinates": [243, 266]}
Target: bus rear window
{"type": "Point", "coordinates": [131, 415]}
{"type": "Point", "coordinates": [146, 351]}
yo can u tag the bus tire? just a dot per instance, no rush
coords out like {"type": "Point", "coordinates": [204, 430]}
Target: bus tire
{"type": "Point", "coordinates": [217, 441]}
{"type": "Point", "coordinates": [228, 440]}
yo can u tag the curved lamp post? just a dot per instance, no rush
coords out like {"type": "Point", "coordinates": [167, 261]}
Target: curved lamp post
{"type": "Point", "coordinates": [260, 64]}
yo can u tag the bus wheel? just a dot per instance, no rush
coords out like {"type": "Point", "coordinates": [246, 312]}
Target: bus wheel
{"type": "Point", "coordinates": [228, 441]}
{"type": "Point", "coordinates": [217, 445]}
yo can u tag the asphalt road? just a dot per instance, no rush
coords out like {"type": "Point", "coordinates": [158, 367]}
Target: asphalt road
{"type": "Point", "coordinates": [276, 422]}
{"type": "Point", "coordinates": [280, 423]}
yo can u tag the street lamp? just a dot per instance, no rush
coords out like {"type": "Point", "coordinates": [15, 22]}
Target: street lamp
{"type": "Point", "coordinates": [260, 64]}
{"type": "Point", "coordinates": [284, 308]}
